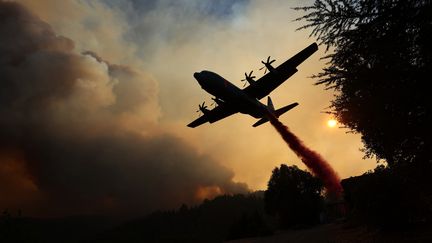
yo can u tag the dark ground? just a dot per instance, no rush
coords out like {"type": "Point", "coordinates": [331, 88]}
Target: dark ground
{"type": "Point", "coordinates": [342, 232]}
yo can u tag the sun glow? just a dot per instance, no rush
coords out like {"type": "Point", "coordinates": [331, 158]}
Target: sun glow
{"type": "Point", "coordinates": [331, 123]}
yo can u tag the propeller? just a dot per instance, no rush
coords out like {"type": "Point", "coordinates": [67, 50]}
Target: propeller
{"type": "Point", "coordinates": [267, 64]}
{"type": "Point", "coordinates": [201, 108]}
{"type": "Point", "coordinates": [249, 78]}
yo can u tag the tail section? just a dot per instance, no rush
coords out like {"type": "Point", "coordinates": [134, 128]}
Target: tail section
{"type": "Point", "coordinates": [277, 112]}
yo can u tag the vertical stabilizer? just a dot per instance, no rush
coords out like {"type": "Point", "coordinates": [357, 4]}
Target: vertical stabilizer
{"type": "Point", "coordinates": [270, 104]}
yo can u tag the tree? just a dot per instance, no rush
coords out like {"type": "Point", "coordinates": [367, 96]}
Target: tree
{"type": "Point", "coordinates": [294, 196]}
{"type": "Point", "coordinates": [379, 65]}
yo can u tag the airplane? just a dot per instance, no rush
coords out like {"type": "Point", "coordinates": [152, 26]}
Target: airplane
{"type": "Point", "coordinates": [230, 99]}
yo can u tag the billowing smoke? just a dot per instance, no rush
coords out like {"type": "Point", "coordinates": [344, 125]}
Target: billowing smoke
{"type": "Point", "coordinates": [79, 134]}
{"type": "Point", "coordinates": [314, 161]}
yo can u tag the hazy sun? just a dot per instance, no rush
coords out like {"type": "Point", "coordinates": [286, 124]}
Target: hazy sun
{"type": "Point", "coordinates": [331, 123]}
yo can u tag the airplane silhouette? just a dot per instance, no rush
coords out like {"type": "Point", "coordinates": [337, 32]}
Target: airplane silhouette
{"type": "Point", "coordinates": [230, 99]}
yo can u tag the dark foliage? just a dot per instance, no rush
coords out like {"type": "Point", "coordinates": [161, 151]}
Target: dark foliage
{"type": "Point", "coordinates": [249, 225]}
{"type": "Point", "coordinates": [15, 228]}
{"type": "Point", "coordinates": [391, 199]}
{"type": "Point", "coordinates": [380, 65]}
{"type": "Point", "coordinates": [294, 196]}
{"type": "Point", "coordinates": [212, 221]}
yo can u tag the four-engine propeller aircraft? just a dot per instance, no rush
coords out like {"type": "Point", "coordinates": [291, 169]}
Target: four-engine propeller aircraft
{"type": "Point", "coordinates": [230, 99]}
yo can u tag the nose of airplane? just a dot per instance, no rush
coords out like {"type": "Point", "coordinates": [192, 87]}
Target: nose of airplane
{"type": "Point", "coordinates": [196, 75]}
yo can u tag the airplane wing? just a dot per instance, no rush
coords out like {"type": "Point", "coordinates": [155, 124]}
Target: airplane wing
{"type": "Point", "coordinates": [267, 83]}
{"type": "Point", "coordinates": [218, 113]}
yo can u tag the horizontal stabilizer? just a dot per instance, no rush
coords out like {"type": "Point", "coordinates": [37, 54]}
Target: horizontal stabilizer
{"type": "Point", "coordinates": [284, 109]}
{"type": "Point", "coordinates": [277, 113]}
{"type": "Point", "coordinates": [260, 121]}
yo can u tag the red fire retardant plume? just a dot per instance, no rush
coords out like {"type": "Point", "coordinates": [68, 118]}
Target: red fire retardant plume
{"type": "Point", "coordinates": [317, 164]}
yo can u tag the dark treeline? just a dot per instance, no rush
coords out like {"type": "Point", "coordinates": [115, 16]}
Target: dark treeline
{"type": "Point", "coordinates": [225, 217]}
{"type": "Point", "coordinates": [293, 200]}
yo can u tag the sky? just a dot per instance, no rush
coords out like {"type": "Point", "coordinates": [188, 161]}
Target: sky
{"type": "Point", "coordinates": [96, 97]}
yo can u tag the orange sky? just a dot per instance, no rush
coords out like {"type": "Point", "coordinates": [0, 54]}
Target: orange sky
{"type": "Point", "coordinates": [182, 43]}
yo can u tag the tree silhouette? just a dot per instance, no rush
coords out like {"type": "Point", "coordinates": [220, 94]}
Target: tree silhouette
{"type": "Point", "coordinates": [379, 65]}
{"type": "Point", "coordinates": [294, 196]}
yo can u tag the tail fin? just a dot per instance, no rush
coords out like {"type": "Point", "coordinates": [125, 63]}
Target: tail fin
{"type": "Point", "coordinates": [270, 104]}
{"type": "Point", "coordinates": [277, 113]}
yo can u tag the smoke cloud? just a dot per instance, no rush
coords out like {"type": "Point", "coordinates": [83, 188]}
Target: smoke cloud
{"type": "Point", "coordinates": [314, 161]}
{"type": "Point", "coordinates": [171, 40]}
{"type": "Point", "coordinates": [77, 133]}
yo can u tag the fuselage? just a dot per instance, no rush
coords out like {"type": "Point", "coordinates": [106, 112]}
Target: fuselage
{"type": "Point", "coordinates": [230, 94]}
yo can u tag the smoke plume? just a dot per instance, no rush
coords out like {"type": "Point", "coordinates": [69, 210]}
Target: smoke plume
{"type": "Point", "coordinates": [79, 134]}
{"type": "Point", "coordinates": [314, 161]}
